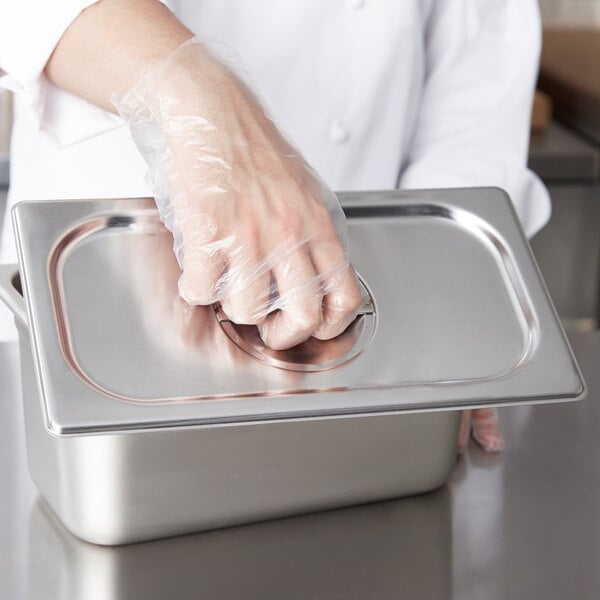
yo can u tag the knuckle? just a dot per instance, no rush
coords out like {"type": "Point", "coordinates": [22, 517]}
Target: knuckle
{"type": "Point", "coordinates": [290, 225]}
{"type": "Point", "coordinates": [322, 214]}
{"type": "Point", "coordinates": [248, 307]}
{"type": "Point", "coordinates": [324, 222]}
{"type": "Point", "coordinates": [195, 296]}
{"type": "Point", "coordinates": [243, 315]}
{"type": "Point", "coordinates": [247, 234]}
{"type": "Point", "coordinates": [304, 319]}
{"type": "Point", "coordinates": [352, 302]}
{"type": "Point", "coordinates": [345, 304]}
{"type": "Point", "coordinates": [195, 288]}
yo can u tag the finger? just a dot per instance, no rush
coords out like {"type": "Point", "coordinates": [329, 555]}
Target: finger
{"type": "Point", "coordinates": [248, 294]}
{"type": "Point", "coordinates": [298, 303]}
{"type": "Point", "coordinates": [486, 429]}
{"type": "Point", "coordinates": [340, 287]}
{"type": "Point", "coordinates": [464, 431]}
{"type": "Point", "coordinates": [202, 279]}
{"type": "Point", "coordinates": [340, 306]}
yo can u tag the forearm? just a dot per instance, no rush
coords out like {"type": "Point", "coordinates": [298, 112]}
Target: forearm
{"type": "Point", "coordinates": [110, 45]}
{"type": "Point", "coordinates": [244, 208]}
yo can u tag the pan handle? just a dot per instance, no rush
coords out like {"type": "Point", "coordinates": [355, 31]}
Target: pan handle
{"type": "Point", "coordinates": [10, 294]}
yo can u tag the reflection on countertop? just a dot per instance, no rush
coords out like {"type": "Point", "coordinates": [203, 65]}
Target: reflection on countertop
{"type": "Point", "coordinates": [524, 524]}
{"type": "Point", "coordinates": [324, 555]}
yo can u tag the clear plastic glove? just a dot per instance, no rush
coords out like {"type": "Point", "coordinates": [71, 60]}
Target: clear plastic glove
{"type": "Point", "coordinates": [254, 226]}
{"type": "Point", "coordinates": [482, 424]}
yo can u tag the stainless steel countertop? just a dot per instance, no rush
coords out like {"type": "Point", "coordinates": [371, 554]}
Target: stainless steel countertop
{"type": "Point", "coordinates": [525, 524]}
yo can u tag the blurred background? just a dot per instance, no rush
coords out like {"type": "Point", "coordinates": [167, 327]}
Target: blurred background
{"type": "Point", "coordinates": [564, 152]}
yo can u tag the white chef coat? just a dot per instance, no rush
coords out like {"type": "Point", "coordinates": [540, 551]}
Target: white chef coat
{"type": "Point", "coordinates": [377, 94]}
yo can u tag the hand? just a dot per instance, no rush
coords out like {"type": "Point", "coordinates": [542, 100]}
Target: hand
{"type": "Point", "coordinates": [254, 226]}
{"type": "Point", "coordinates": [482, 423]}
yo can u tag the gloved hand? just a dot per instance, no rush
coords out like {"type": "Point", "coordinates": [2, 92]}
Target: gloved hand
{"type": "Point", "coordinates": [254, 226]}
{"type": "Point", "coordinates": [482, 424]}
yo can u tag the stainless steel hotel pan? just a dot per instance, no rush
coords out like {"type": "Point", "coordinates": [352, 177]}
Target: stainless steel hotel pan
{"type": "Point", "coordinates": [147, 418]}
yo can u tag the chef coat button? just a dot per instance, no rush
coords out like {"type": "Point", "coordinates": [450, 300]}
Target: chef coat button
{"type": "Point", "coordinates": [338, 133]}
{"type": "Point", "coordinates": [355, 4]}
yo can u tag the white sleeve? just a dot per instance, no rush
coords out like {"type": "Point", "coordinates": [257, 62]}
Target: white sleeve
{"type": "Point", "coordinates": [473, 123]}
{"type": "Point", "coordinates": [29, 32]}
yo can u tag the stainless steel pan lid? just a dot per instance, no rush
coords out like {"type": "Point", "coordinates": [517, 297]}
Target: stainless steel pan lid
{"type": "Point", "coordinates": [454, 315]}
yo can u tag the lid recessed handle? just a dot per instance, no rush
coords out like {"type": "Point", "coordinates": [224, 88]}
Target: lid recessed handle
{"type": "Point", "coordinates": [311, 355]}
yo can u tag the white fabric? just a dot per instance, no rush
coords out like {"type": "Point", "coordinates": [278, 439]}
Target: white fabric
{"type": "Point", "coordinates": [377, 94]}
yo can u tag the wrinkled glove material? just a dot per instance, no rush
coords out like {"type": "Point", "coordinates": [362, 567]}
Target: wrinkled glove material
{"type": "Point", "coordinates": [254, 226]}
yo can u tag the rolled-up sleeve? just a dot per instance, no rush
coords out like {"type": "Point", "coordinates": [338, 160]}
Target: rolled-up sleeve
{"type": "Point", "coordinates": [29, 32]}
{"type": "Point", "coordinates": [473, 124]}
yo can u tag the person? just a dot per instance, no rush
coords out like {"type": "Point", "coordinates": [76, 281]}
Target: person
{"type": "Point", "coordinates": [377, 94]}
